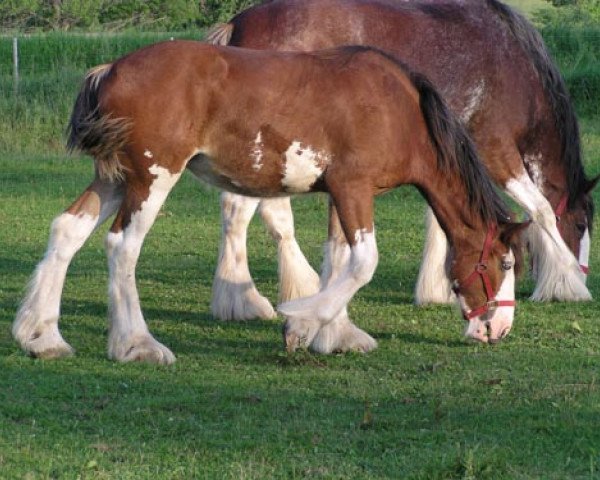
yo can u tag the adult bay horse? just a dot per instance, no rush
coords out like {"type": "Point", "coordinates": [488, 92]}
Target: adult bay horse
{"type": "Point", "coordinates": [493, 69]}
{"type": "Point", "coordinates": [253, 122]}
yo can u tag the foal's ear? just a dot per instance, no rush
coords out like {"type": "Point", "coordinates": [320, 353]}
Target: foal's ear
{"type": "Point", "coordinates": [591, 184]}
{"type": "Point", "coordinates": [510, 233]}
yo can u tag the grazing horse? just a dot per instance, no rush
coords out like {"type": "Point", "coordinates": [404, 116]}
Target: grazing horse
{"type": "Point", "coordinates": [253, 122]}
{"type": "Point", "coordinates": [493, 69]}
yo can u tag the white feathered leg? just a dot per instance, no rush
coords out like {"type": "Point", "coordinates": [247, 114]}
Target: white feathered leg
{"type": "Point", "coordinates": [557, 272]}
{"type": "Point", "coordinates": [296, 277]}
{"type": "Point", "coordinates": [36, 323]}
{"type": "Point", "coordinates": [234, 295]}
{"type": "Point", "coordinates": [433, 284]}
{"type": "Point", "coordinates": [336, 333]}
{"type": "Point", "coordinates": [129, 338]}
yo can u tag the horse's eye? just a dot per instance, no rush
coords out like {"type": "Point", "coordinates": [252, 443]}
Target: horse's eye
{"type": "Point", "coordinates": [581, 227]}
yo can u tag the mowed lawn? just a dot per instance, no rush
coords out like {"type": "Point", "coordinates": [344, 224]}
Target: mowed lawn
{"type": "Point", "coordinates": [425, 405]}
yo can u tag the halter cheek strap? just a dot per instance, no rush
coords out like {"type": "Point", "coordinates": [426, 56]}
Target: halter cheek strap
{"type": "Point", "coordinates": [560, 209]}
{"type": "Point", "coordinates": [481, 271]}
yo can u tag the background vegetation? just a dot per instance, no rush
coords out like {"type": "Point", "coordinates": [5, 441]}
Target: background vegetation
{"type": "Point", "coordinates": [425, 405]}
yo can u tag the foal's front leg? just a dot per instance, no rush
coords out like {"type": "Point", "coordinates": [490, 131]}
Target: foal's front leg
{"type": "Point", "coordinates": [36, 323]}
{"type": "Point", "coordinates": [129, 338]}
{"type": "Point", "coordinates": [307, 316]}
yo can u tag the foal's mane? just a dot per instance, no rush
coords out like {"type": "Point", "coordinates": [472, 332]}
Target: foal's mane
{"type": "Point", "coordinates": [566, 122]}
{"type": "Point", "coordinates": [455, 150]}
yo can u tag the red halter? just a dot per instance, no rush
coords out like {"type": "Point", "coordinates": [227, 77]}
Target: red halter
{"type": "Point", "coordinates": [481, 271]}
{"type": "Point", "coordinates": [560, 209]}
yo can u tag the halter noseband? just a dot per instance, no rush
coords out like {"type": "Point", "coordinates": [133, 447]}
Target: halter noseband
{"type": "Point", "coordinates": [481, 271]}
{"type": "Point", "coordinates": [560, 209]}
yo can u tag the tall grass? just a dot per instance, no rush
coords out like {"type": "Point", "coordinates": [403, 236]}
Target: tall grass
{"type": "Point", "coordinates": [51, 67]}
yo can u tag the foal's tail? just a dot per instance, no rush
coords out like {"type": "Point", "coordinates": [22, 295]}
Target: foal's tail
{"type": "Point", "coordinates": [456, 152]}
{"type": "Point", "coordinates": [95, 133]}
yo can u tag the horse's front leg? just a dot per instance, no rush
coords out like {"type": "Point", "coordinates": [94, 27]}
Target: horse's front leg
{"type": "Point", "coordinates": [129, 338]}
{"type": "Point", "coordinates": [296, 277]}
{"type": "Point", "coordinates": [321, 321]}
{"type": "Point", "coordinates": [36, 323]}
{"type": "Point", "coordinates": [433, 282]}
{"type": "Point", "coordinates": [234, 295]}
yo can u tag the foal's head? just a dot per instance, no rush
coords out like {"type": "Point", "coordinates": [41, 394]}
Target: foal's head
{"type": "Point", "coordinates": [484, 281]}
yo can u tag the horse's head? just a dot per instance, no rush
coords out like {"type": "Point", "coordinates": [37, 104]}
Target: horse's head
{"type": "Point", "coordinates": [574, 220]}
{"type": "Point", "coordinates": [484, 282]}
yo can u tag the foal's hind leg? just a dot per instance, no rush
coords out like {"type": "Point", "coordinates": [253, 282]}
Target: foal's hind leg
{"type": "Point", "coordinates": [129, 338]}
{"type": "Point", "coordinates": [433, 283]}
{"type": "Point", "coordinates": [339, 335]}
{"type": "Point", "coordinates": [36, 324]}
{"type": "Point", "coordinates": [234, 295]}
{"type": "Point", "coordinates": [306, 316]}
{"type": "Point", "coordinates": [296, 277]}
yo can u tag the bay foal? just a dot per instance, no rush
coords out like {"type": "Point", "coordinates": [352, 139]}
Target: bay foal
{"type": "Point", "coordinates": [351, 122]}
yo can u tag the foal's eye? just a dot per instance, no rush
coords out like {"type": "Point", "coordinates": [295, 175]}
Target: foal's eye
{"type": "Point", "coordinates": [507, 264]}
{"type": "Point", "coordinates": [581, 227]}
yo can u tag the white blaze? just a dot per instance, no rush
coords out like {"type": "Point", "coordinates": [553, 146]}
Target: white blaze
{"type": "Point", "coordinates": [584, 249]}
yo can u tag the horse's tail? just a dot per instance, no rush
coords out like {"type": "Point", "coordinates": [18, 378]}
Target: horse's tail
{"type": "Point", "coordinates": [456, 151]}
{"type": "Point", "coordinates": [556, 91]}
{"type": "Point", "coordinates": [95, 133]}
{"type": "Point", "coordinates": [220, 34]}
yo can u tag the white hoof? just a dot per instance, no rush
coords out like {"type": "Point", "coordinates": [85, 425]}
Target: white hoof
{"type": "Point", "coordinates": [239, 301]}
{"type": "Point", "coordinates": [141, 348]}
{"type": "Point", "coordinates": [299, 332]}
{"type": "Point", "coordinates": [47, 344]}
{"type": "Point", "coordinates": [342, 336]}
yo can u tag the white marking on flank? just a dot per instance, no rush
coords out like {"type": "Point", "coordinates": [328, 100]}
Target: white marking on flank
{"type": "Point", "coordinates": [257, 152]}
{"type": "Point", "coordinates": [303, 166]}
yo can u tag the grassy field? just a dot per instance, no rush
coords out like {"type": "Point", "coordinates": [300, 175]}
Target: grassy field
{"type": "Point", "coordinates": [425, 405]}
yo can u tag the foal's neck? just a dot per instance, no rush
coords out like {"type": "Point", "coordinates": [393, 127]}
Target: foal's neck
{"type": "Point", "coordinates": [462, 222]}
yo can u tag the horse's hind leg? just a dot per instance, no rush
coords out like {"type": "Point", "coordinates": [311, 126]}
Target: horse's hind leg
{"type": "Point", "coordinates": [129, 338]}
{"type": "Point", "coordinates": [307, 316]}
{"type": "Point", "coordinates": [296, 277]}
{"type": "Point", "coordinates": [235, 296]}
{"type": "Point", "coordinates": [339, 335]}
{"type": "Point", "coordinates": [36, 323]}
{"type": "Point", "coordinates": [433, 283]}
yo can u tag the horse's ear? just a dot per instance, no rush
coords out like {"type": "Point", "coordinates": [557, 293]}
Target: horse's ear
{"type": "Point", "coordinates": [591, 184]}
{"type": "Point", "coordinates": [511, 232]}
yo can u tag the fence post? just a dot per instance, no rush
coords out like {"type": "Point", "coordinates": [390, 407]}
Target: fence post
{"type": "Point", "coordinates": [16, 65]}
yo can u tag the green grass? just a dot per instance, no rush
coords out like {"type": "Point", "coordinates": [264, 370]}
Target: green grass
{"type": "Point", "coordinates": [425, 404]}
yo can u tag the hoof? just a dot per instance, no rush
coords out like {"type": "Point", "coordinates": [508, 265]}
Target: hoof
{"type": "Point", "coordinates": [143, 349]}
{"type": "Point", "coordinates": [342, 336]}
{"type": "Point", "coordinates": [47, 345]}
{"type": "Point", "coordinates": [239, 302]}
{"type": "Point", "coordinates": [299, 333]}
